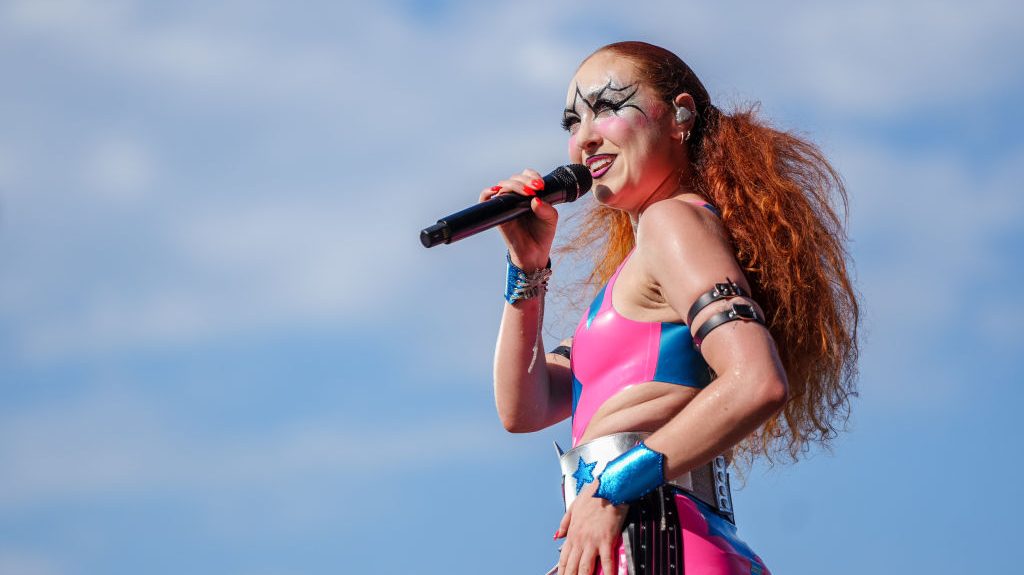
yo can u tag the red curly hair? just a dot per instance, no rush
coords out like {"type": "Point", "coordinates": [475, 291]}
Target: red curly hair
{"type": "Point", "coordinates": [776, 193]}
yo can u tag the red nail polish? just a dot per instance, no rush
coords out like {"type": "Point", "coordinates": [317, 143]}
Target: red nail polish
{"type": "Point", "coordinates": [495, 188]}
{"type": "Point", "coordinates": [529, 191]}
{"type": "Point", "coordinates": [538, 184]}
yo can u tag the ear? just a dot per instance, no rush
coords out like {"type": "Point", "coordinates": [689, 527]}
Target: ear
{"type": "Point", "coordinates": [682, 101]}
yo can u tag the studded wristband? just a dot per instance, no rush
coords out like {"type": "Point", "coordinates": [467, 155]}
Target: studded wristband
{"type": "Point", "coordinates": [520, 284]}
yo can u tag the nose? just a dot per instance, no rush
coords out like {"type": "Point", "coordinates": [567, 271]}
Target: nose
{"type": "Point", "coordinates": [588, 139]}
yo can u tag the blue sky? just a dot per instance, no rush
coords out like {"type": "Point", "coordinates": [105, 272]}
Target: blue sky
{"type": "Point", "coordinates": [223, 350]}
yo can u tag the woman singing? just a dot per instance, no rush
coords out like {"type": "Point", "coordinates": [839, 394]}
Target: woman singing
{"type": "Point", "coordinates": [726, 324]}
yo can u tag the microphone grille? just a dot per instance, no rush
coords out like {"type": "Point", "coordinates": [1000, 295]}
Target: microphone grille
{"type": "Point", "coordinates": [576, 180]}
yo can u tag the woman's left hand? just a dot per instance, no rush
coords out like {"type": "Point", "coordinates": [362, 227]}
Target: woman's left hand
{"type": "Point", "coordinates": [592, 528]}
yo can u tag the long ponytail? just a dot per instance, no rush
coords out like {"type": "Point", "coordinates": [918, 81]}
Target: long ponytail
{"type": "Point", "coordinates": [776, 192]}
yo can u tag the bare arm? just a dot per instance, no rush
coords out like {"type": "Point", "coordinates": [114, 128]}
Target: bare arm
{"type": "Point", "coordinates": [531, 390]}
{"type": "Point", "coordinates": [686, 253]}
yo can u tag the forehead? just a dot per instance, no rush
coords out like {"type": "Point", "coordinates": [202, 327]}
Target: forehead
{"type": "Point", "coordinates": [600, 69]}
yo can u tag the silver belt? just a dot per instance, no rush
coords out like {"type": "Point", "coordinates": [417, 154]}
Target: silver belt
{"type": "Point", "coordinates": [583, 463]}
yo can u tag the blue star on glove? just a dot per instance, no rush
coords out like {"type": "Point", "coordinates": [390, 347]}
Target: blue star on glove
{"type": "Point", "coordinates": [584, 474]}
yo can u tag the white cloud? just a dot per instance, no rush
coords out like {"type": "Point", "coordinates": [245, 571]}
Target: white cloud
{"type": "Point", "coordinates": [64, 15]}
{"type": "Point", "coordinates": [927, 228]}
{"type": "Point", "coordinates": [89, 279]}
{"type": "Point", "coordinates": [860, 59]}
{"type": "Point", "coordinates": [228, 268]}
{"type": "Point", "coordinates": [116, 442]}
{"type": "Point", "coordinates": [875, 58]}
{"type": "Point", "coordinates": [221, 53]}
{"type": "Point", "coordinates": [239, 261]}
{"type": "Point", "coordinates": [119, 168]}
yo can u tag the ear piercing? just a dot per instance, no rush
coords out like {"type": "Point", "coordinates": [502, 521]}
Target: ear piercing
{"type": "Point", "coordinates": [683, 115]}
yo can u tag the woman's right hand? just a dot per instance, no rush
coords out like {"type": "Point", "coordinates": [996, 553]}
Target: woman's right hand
{"type": "Point", "coordinates": [529, 237]}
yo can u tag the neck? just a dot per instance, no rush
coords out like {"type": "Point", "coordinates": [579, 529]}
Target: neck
{"type": "Point", "coordinates": [676, 184]}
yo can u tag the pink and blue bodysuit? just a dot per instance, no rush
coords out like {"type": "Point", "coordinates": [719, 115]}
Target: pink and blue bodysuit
{"type": "Point", "coordinates": [611, 353]}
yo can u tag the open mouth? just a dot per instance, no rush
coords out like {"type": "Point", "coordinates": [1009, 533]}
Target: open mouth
{"type": "Point", "coordinates": [600, 164]}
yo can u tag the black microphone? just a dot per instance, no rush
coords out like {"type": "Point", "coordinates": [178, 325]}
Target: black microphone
{"type": "Point", "coordinates": [564, 184]}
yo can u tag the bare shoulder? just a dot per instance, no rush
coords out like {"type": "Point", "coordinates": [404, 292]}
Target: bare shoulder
{"type": "Point", "coordinates": [684, 250]}
{"type": "Point", "coordinates": [675, 231]}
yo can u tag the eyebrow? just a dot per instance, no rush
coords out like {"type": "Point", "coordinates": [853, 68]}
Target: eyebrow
{"type": "Point", "coordinates": [594, 95]}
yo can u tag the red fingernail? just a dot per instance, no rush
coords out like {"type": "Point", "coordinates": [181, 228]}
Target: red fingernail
{"type": "Point", "coordinates": [538, 184]}
{"type": "Point", "coordinates": [557, 533]}
{"type": "Point", "coordinates": [529, 191]}
{"type": "Point", "coordinates": [495, 188]}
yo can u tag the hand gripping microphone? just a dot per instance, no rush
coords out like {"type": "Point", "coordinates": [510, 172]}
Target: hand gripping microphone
{"type": "Point", "coordinates": [564, 184]}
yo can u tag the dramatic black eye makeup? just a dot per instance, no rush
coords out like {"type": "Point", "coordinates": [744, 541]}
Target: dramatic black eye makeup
{"type": "Point", "coordinates": [607, 99]}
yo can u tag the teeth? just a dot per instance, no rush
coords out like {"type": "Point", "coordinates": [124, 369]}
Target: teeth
{"type": "Point", "coordinates": [600, 164]}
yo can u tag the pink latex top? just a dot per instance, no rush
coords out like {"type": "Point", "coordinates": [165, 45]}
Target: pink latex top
{"type": "Point", "coordinates": [611, 353]}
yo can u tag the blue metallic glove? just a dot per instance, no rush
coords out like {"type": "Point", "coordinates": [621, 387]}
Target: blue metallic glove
{"type": "Point", "coordinates": [631, 475]}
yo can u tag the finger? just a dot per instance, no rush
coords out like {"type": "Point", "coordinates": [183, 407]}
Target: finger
{"type": "Point", "coordinates": [529, 185]}
{"type": "Point", "coordinates": [518, 186]}
{"type": "Point", "coordinates": [536, 181]}
{"type": "Point", "coordinates": [524, 178]}
{"type": "Point", "coordinates": [609, 560]}
{"type": "Point", "coordinates": [544, 210]}
{"type": "Point", "coordinates": [572, 564]}
{"type": "Point", "coordinates": [489, 193]}
{"type": "Point", "coordinates": [563, 557]}
{"type": "Point", "coordinates": [587, 559]}
{"type": "Point", "coordinates": [515, 184]}
{"type": "Point", "coordinates": [563, 526]}
{"type": "Point", "coordinates": [532, 174]}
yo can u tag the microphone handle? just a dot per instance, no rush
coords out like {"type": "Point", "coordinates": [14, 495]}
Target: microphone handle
{"type": "Point", "coordinates": [485, 215]}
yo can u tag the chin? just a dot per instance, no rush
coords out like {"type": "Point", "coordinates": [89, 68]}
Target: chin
{"type": "Point", "coordinates": [603, 194]}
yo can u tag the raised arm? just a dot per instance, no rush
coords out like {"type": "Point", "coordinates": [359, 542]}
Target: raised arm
{"type": "Point", "coordinates": [532, 390]}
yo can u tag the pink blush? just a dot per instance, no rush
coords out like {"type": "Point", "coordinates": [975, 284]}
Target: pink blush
{"type": "Point", "coordinates": [615, 127]}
